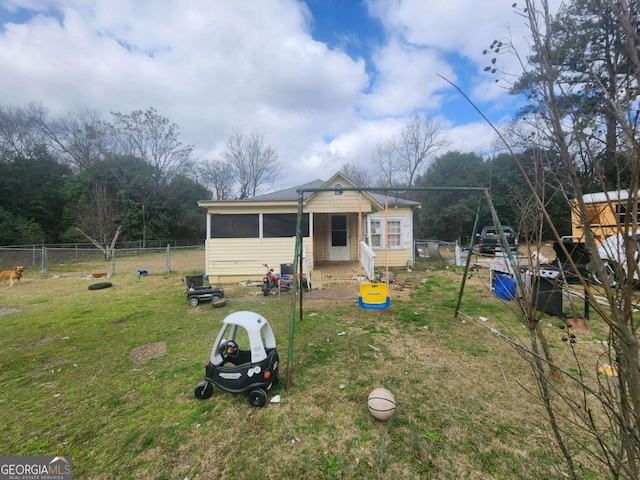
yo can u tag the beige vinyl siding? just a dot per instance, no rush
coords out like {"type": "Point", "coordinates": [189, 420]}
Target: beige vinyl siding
{"type": "Point", "coordinates": [353, 236]}
{"type": "Point", "coordinates": [242, 258]}
{"type": "Point", "coordinates": [327, 202]}
{"type": "Point", "coordinates": [397, 256]}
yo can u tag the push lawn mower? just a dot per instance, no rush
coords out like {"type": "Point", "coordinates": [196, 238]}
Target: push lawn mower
{"type": "Point", "coordinates": [237, 370]}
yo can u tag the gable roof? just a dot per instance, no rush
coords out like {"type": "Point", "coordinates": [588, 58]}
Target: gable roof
{"type": "Point", "coordinates": [288, 194]}
{"type": "Point", "coordinates": [291, 194]}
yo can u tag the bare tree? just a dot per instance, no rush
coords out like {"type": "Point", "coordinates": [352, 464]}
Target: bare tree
{"type": "Point", "coordinates": [417, 143]}
{"type": "Point", "coordinates": [19, 128]}
{"type": "Point", "coordinates": [217, 175]}
{"type": "Point", "coordinates": [385, 160]}
{"type": "Point", "coordinates": [357, 174]}
{"type": "Point", "coordinates": [254, 164]}
{"type": "Point", "coordinates": [402, 159]}
{"type": "Point", "coordinates": [98, 220]}
{"type": "Point", "coordinates": [78, 137]}
{"type": "Point", "coordinates": [582, 82]}
{"type": "Point", "coordinates": [153, 138]}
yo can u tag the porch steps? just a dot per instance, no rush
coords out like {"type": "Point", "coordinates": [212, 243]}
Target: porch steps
{"type": "Point", "coordinates": [322, 280]}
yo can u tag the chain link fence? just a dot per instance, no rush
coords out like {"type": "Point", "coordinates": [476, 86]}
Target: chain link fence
{"type": "Point", "coordinates": [42, 256]}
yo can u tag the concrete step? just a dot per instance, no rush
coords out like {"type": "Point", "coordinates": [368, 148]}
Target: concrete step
{"type": "Point", "coordinates": [322, 280]}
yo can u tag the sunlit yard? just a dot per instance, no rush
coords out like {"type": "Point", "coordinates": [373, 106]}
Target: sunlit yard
{"type": "Point", "coordinates": [107, 376]}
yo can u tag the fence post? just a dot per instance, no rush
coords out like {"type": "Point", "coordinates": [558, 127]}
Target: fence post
{"type": "Point", "coordinates": [43, 262]}
{"type": "Point", "coordinates": [167, 262]}
{"type": "Point", "coordinates": [112, 269]}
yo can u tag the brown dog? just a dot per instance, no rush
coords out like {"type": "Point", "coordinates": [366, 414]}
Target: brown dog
{"type": "Point", "coordinates": [11, 276]}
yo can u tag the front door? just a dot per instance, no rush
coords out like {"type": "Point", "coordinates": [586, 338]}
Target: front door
{"type": "Point", "coordinates": [339, 239]}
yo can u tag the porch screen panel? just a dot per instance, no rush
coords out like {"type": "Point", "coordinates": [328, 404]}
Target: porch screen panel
{"type": "Point", "coordinates": [235, 226]}
{"type": "Point", "coordinates": [277, 225]}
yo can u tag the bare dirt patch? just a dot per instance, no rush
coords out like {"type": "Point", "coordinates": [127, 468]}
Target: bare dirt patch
{"type": "Point", "coordinates": [7, 311]}
{"type": "Point", "coordinates": [336, 296]}
{"type": "Point", "coordinates": [144, 353]}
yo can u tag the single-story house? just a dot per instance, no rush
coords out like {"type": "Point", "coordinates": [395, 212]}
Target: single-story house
{"type": "Point", "coordinates": [242, 235]}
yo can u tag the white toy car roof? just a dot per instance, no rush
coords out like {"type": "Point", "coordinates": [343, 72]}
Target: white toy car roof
{"type": "Point", "coordinates": [258, 329]}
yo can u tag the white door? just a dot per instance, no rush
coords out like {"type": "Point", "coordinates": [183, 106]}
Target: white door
{"type": "Point", "coordinates": [339, 238]}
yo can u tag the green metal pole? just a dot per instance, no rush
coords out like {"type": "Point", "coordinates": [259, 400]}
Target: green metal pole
{"type": "Point", "coordinates": [466, 267]}
{"type": "Point", "coordinates": [292, 316]}
{"type": "Point", "coordinates": [298, 246]}
{"type": "Point", "coordinates": [505, 243]}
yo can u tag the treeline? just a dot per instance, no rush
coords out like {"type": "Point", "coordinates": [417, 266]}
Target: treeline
{"type": "Point", "coordinates": [78, 177]}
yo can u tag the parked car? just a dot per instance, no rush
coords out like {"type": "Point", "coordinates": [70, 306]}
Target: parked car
{"type": "Point", "coordinates": [488, 240]}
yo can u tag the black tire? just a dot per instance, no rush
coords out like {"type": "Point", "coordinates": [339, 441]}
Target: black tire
{"type": "Point", "coordinates": [218, 302]}
{"type": "Point", "coordinates": [194, 301]}
{"type": "Point", "coordinates": [204, 390]}
{"type": "Point", "coordinates": [258, 397]}
{"type": "Point", "coordinates": [265, 289]}
{"type": "Point", "coordinates": [100, 286]}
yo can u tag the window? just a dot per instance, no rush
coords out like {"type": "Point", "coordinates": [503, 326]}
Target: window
{"type": "Point", "coordinates": [376, 233]}
{"type": "Point", "coordinates": [234, 226]}
{"type": "Point", "coordinates": [621, 213]}
{"type": "Point", "coordinates": [283, 225]}
{"type": "Point", "coordinates": [395, 233]}
{"type": "Point", "coordinates": [339, 231]}
{"type": "Point", "coordinates": [593, 214]}
{"type": "Point", "coordinates": [338, 193]}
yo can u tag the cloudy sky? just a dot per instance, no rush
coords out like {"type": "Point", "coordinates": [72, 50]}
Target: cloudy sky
{"type": "Point", "coordinates": [323, 80]}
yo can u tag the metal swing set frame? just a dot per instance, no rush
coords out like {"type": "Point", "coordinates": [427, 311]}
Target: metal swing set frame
{"type": "Point", "coordinates": [485, 199]}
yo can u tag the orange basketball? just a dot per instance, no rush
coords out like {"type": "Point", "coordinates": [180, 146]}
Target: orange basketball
{"type": "Point", "coordinates": [382, 404]}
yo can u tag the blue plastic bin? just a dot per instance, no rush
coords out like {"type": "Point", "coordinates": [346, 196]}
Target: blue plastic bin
{"type": "Point", "coordinates": [504, 286]}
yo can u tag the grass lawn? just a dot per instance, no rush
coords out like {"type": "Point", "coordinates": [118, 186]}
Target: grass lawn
{"type": "Point", "coordinates": [107, 376]}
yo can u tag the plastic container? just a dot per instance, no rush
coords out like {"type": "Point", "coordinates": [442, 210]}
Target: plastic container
{"type": "Point", "coordinates": [504, 286]}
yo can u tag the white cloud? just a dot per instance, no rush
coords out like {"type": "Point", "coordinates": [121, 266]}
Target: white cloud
{"type": "Point", "coordinates": [407, 79]}
{"type": "Point", "coordinates": [212, 66]}
{"type": "Point", "coordinates": [477, 137]}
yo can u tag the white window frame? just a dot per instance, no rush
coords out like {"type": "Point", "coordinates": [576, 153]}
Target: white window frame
{"type": "Point", "coordinates": [399, 221]}
{"type": "Point", "coordinates": [376, 233]}
{"type": "Point", "coordinates": [394, 234]}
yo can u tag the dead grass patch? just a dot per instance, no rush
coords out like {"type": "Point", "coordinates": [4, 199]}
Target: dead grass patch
{"type": "Point", "coordinates": [144, 353]}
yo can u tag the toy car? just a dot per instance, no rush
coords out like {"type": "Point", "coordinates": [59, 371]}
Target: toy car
{"type": "Point", "coordinates": [197, 292]}
{"type": "Point", "coordinates": [238, 370]}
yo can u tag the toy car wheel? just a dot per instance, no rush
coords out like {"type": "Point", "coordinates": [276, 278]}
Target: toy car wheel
{"type": "Point", "coordinates": [258, 397]}
{"type": "Point", "coordinates": [204, 390]}
{"type": "Point", "coordinates": [194, 301]}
